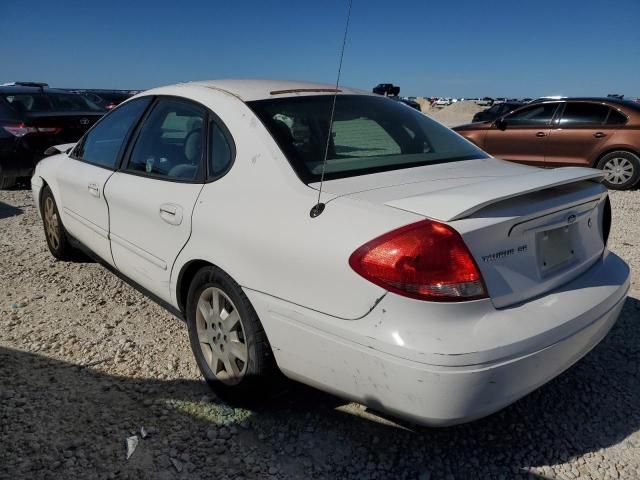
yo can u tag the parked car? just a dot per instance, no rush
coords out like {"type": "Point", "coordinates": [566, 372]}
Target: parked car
{"type": "Point", "coordinates": [526, 100]}
{"type": "Point", "coordinates": [426, 279]}
{"type": "Point", "coordinates": [387, 89]}
{"type": "Point", "coordinates": [442, 102]}
{"type": "Point", "coordinates": [33, 118]}
{"type": "Point", "coordinates": [591, 132]}
{"type": "Point", "coordinates": [495, 111]}
{"type": "Point", "coordinates": [486, 101]}
{"type": "Point", "coordinates": [407, 101]}
{"type": "Point", "coordinates": [107, 99]}
{"type": "Point", "coordinates": [24, 84]}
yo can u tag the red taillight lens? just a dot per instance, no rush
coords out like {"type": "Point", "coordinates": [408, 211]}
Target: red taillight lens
{"type": "Point", "coordinates": [426, 260]}
{"type": "Point", "coordinates": [20, 130]}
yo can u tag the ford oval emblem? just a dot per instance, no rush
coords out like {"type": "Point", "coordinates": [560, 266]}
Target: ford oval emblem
{"type": "Point", "coordinates": [571, 218]}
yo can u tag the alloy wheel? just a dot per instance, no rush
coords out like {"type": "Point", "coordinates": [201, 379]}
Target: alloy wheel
{"type": "Point", "coordinates": [618, 170]}
{"type": "Point", "coordinates": [51, 223]}
{"type": "Point", "coordinates": [221, 336]}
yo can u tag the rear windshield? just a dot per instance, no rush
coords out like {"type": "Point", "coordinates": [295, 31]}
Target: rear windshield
{"type": "Point", "coordinates": [369, 134]}
{"type": "Point", "coordinates": [50, 102]}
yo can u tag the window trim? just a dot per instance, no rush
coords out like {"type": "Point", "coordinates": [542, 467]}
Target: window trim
{"type": "Point", "coordinates": [126, 140]}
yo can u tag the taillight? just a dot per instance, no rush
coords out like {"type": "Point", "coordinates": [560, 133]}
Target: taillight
{"type": "Point", "coordinates": [20, 130]}
{"type": "Point", "coordinates": [426, 260]}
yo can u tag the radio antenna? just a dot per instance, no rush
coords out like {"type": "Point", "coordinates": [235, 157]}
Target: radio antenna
{"type": "Point", "coordinates": [318, 208]}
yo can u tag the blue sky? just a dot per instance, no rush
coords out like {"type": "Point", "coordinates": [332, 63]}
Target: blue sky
{"type": "Point", "coordinates": [433, 48]}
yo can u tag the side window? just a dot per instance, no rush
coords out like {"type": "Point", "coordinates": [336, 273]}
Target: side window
{"type": "Point", "coordinates": [538, 114]}
{"type": "Point", "coordinates": [220, 152]}
{"type": "Point", "coordinates": [101, 145]}
{"type": "Point", "coordinates": [170, 143]}
{"type": "Point", "coordinates": [616, 118]}
{"type": "Point", "coordinates": [581, 113]}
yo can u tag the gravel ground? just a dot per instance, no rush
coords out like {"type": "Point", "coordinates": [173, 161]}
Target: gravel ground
{"type": "Point", "coordinates": [86, 362]}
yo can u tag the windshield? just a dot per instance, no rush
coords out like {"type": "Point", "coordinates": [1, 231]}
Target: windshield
{"type": "Point", "coordinates": [51, 102]}
{"type": "Point", "coordinates": [369, 134]}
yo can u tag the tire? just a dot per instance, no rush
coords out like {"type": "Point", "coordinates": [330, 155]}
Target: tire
{"type": "Point", "coordinates": [7, 182]}
{"type": "Point", "coordinates": [223, 328]}
{"type": "Point", "coordinates": [622, 170]}
{"type": "Point", "coordinates": [54, 231]}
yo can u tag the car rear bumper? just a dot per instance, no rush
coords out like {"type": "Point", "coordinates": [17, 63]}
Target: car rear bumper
{"type": "Point", "coordinates": [442, 393]}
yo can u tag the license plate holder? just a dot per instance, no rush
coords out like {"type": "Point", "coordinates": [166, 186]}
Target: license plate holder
{"type": "Point", "coordinates": [555, 248]}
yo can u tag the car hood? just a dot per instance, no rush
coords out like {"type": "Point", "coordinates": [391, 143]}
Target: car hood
{"type": "Point", "coordinates": [452, 191]}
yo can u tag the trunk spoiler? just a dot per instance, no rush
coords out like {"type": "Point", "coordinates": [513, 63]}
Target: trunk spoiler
{"type": "Point", "coordinates": [460, 202]}
{"type": "Point", "coordinates": [63, 148]}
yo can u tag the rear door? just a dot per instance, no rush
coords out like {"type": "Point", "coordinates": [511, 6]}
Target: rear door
{"type": "Point", "coordinates": [85, 171]}
{"type": "Point", "coordinates": [523, 135]}
{"type": "Point", "coordinates": [579, 133]}
{"type": "Point", "coordinates": [151, 198]}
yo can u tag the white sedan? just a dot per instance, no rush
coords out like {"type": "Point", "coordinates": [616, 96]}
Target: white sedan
{"type": "Point", "coordinates": [431, 281]}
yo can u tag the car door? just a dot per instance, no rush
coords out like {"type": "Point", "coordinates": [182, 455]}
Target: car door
{"type": "Point", "coordinates": [151, 198]}
{"type": "Point", "coordinates": [579, 133]}
{"type": "Point", "coordinates": [84, 173]}
{"type": "Point", "coordinates": [521, 136]}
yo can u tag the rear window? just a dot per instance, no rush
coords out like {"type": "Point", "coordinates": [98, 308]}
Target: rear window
{"type": "Point", "coordinates": [369, 134]}
{"type": "Point", "coordinates": [50, 102]}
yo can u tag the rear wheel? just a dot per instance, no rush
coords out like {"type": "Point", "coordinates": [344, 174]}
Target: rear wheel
{"type": "Point", "coordinates": [55, 233]}
{"type": "Point", "coordinates": [227, 338]}
{"type": "Point", "coordinates": [622, 170]}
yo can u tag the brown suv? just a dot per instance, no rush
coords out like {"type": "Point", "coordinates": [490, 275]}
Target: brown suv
{"type": "Point", "coordinates": [595, 132]}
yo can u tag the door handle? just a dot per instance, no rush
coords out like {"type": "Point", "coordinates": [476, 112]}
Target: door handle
{"type": "Point", "coordinates": [599, 134]}
{"type": "Point", "coordinates": [171, 213]}
{"type": "Point", "coordinates": [541, 134]}
{"type": "Point", "coordinates": [94, 189]}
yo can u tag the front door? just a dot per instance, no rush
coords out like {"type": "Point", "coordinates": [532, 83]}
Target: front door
{"type": "Point", "coordinates": [522, 135]}
{"type": "Point", "coordinates": [152, 197]}
{"type": "Point", "coordinates": [85, 213]}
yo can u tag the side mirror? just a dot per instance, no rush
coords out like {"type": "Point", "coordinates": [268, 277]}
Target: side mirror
{"type": "Point", "coordinates": [501, 124]}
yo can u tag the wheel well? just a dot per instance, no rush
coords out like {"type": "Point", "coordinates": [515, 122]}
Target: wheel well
{"type": "Point", "coordinates": [44, 185]}
{"type": "Point", "coordinates": [184, 280]}
{"type": "Point", "coordinates": [611, 150]}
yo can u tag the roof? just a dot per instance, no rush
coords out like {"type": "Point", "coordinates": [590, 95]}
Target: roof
{"type": "Point", "coordinates": [609, 100]}
{"type": "Point", "coordinates": [253, 89]}
{"type": "Point", "coordinates": [8, 89]}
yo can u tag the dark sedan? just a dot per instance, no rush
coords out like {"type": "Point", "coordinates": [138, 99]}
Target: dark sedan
{"type": "Point", "coordinates": [33, 119]}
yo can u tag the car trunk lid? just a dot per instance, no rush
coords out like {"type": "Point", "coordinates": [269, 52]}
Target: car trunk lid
{"type": "Point", "coordinates": [529, 230]}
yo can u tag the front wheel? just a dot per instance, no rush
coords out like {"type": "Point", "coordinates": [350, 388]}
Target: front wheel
{"type": "Point", "coordinates": [227, 338]}
{"type": "Point", "coordinates": [622, 170]}
{"type": "Point", "coordinates": [55, 233]}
